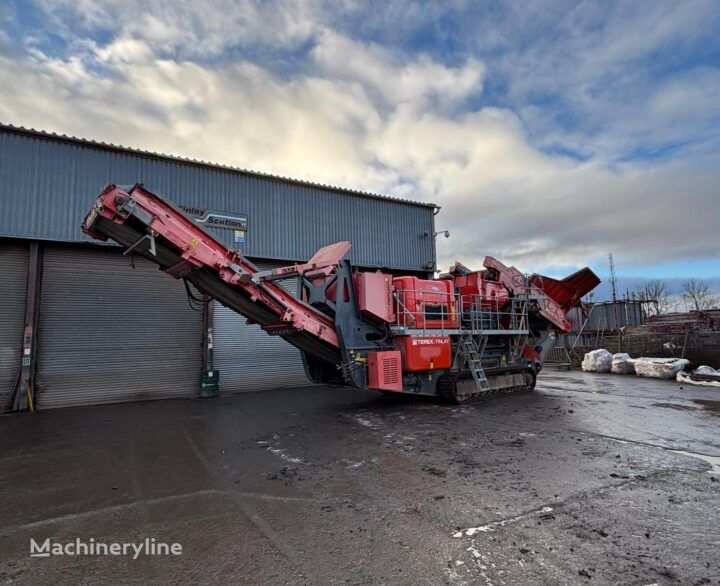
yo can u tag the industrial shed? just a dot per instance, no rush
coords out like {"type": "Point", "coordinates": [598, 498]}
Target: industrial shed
{"type": "Point", "coordinates": [57, 283]}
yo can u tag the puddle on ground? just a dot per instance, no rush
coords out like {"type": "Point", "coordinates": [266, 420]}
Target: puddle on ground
{"type": "Point", "coordinates": [675, 406]}
{"type": "Point", "coordinates": [709, 405]}
{"type": "Point", "coordinates": [714, 461]}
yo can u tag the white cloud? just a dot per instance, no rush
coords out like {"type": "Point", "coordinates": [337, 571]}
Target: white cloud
{"type": "Point", "coordinates": [362, 115]}
{"type": "Point", "coordinates": [189, 28]}
{"type": "Point", "coordinates": [601, 72]}
{"type": "Point", "coordinates": [395, 81]}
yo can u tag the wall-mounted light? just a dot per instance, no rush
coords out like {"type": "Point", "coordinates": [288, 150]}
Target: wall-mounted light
{"type": "Point", "coordinates": [436, 234]}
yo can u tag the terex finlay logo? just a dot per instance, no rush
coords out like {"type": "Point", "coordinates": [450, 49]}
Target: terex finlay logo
{"type": "Point", "coordinates": [433, 341]}
{"type": "Point", "coordinates": [217, 219]}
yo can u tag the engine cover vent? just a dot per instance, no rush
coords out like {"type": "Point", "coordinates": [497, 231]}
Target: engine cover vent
{"type": "Point", "coordinates": [385, 370]}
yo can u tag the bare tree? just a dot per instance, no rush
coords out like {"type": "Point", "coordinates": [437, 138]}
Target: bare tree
{"type": "Point", "coordinates": [698, 296]}
{"type": "Point", "coordinates": [655, 294]}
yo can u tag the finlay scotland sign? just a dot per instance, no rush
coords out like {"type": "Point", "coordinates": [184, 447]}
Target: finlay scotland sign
{"type": "Point", "coordinates": [217, 219]}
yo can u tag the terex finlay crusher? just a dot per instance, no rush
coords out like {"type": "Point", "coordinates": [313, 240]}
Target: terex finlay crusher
{"type": "Point", "coordinates": [464, 334]}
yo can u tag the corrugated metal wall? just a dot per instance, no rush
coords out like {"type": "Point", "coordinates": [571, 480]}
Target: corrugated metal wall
{"type": "Point", "coordinates": [47, 185]}
{"type": "Point", "coordinates": [109, 333]}
{"type": "Point", "coordinates": [608, 316]}
{"type": "Point", "coordinates": [250, 360]}
{"type": "Point", "coordinates": [13, 277]}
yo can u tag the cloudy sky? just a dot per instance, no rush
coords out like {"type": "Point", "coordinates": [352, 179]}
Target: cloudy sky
{"type": "Point", "coordinates": [550, 132]}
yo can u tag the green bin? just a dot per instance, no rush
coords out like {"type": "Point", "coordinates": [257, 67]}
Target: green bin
{"type": "Point", "coordinates": [210, 383]}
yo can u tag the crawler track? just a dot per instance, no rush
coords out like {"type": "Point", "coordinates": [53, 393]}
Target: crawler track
{"type": "Point", "coordinates": [453, 389]}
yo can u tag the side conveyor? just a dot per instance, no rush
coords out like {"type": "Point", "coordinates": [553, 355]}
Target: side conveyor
{"type": "Point", "coordinates": [149, 225]}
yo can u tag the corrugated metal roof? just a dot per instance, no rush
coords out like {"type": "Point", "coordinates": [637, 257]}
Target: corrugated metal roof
{"type": "Point", "coordinates": [190, 161]}
{"type": "Point", "coordinates": [48, 183]}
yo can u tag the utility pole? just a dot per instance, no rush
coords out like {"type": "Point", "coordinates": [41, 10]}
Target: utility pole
{"type": "Point", "coordinates": [613, 278]}
{"type": "Point", "coordinates": [613, 287]}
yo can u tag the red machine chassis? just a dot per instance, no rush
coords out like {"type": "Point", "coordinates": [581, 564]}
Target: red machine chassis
{"type": "Point", "coordinates": [370, 330]}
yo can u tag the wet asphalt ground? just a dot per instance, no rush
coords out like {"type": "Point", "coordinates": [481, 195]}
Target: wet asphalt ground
{"type": "Point", "coordinates": [591, 479]}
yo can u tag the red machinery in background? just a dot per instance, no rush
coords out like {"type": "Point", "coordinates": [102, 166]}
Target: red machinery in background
{"type": "Point", "coordinates": [464, 334]}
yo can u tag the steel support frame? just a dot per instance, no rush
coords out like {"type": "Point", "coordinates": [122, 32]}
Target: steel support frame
{"type": "Point", "coordinates": [356, 335]}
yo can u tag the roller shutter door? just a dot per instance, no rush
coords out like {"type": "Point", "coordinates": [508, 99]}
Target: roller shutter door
{"type": "Point", "coordinates": [13, 275]}
{"type": "Point", "coordinates": [110, 333]}
{"type": "Point", "coordinates": [248, 358]}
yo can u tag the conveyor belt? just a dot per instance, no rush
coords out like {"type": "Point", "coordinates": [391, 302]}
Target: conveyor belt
{"type": "Point", "coordinates": [208, 282]}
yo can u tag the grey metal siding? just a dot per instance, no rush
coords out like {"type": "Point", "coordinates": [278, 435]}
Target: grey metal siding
{"type": "Point", "coordinates": [248, 358]}
{"type": "Point", "coordinates": [13, 268]}
{"type": "Point", "coordinates": [109, 333]}
{"type": "Point", "coordinates": [47, 185]}
{"type": "Point", "coordinates": [608, 316]}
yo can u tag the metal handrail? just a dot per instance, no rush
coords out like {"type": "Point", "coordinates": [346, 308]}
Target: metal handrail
{"type": "Point", "coordinates": [461, 312]}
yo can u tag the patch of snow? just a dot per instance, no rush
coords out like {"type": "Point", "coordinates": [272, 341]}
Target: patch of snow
{"type": "Point", "coordinates": [365, 422]}
{"type": "Point", "coordinates": [352, 463]}
{"type": "Point", "coordinates": [682, 377]}
{"type": "Point", "coordinates": [474, 551]}
{"type": "Point", "coordinates": [284, 456]}
{"type": "Point", "coordinates": [470, 531]}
